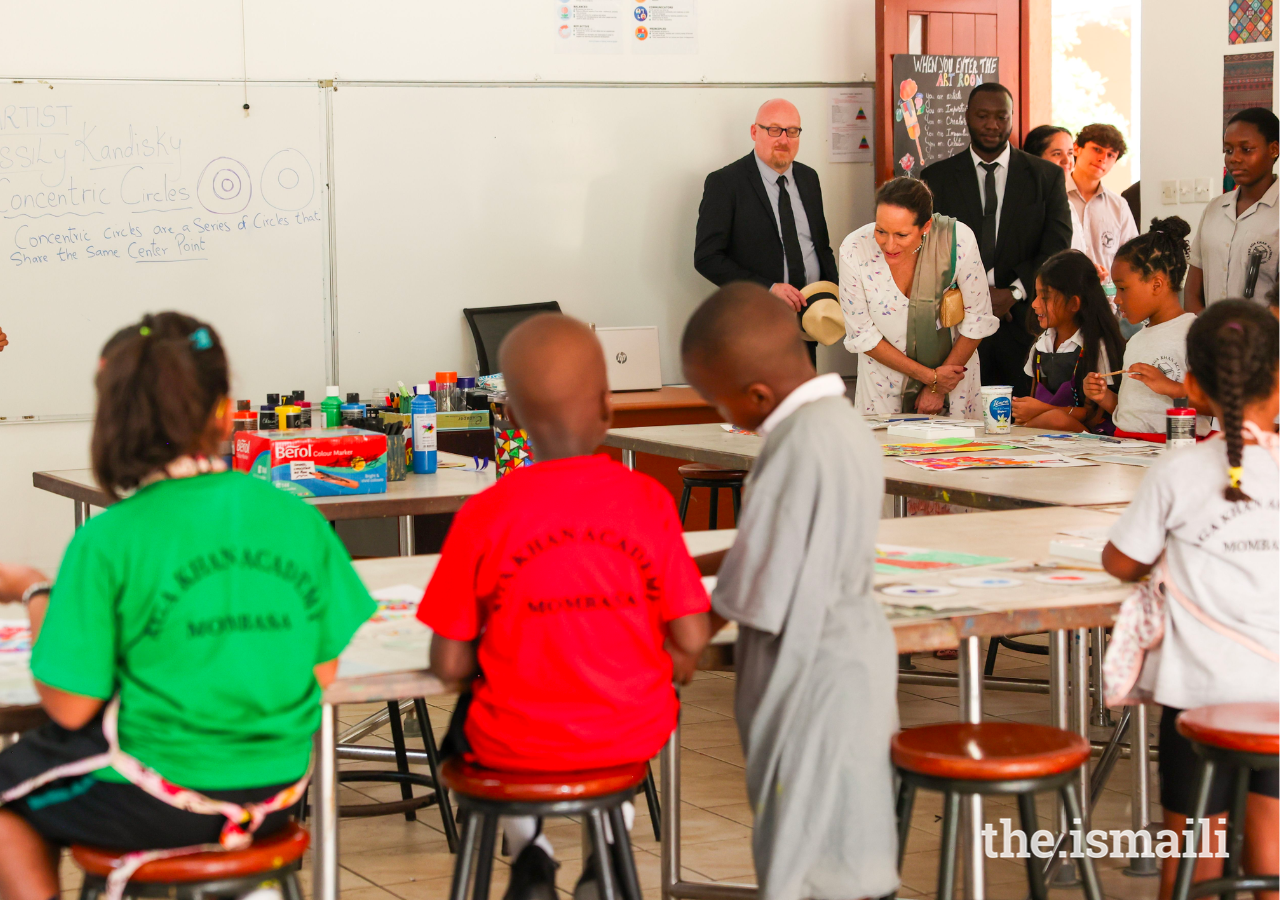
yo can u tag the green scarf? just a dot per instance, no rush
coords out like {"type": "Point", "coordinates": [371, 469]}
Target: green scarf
{"type": "Point", "coordinates": [935, 272]}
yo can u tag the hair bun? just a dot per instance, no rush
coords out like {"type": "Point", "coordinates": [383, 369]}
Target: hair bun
{"type": "Point", "coordinates": [1174, 226]}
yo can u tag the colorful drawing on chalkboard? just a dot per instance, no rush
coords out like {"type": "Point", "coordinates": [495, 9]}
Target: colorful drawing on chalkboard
{"type": "Point", "coordinates": [910, 106]}
{"type": "Point", "coordinates": [907, 163]}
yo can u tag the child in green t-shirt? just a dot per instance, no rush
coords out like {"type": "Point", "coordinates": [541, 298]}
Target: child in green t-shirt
{"type": "Point", "coordinates": [211, 606]}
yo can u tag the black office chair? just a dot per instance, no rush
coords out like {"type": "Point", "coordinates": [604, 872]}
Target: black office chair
{"type": "Point", "coordinates": [490, 324]}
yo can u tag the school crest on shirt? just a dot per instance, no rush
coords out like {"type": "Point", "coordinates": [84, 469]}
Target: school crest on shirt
{"type": "Point", "coordinates": [1171, 368]}
{"type": "Point", "coordinates": [1262, 248]}
{"type": "Point", "coordinates": [1108, 240]}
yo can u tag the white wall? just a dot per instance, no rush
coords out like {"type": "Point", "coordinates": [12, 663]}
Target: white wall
{"type": "Point", "coordinates": [1183, 43]}
{"type": "Point", "coordinates": [755, 41]}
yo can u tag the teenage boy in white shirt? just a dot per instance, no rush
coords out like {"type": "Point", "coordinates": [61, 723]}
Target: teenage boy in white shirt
{"type": "Point", "coordinates": [1100, 218]}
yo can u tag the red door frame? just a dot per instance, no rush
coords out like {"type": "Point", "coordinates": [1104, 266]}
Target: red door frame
{"type": "Point", "coordinates": [897, 38]}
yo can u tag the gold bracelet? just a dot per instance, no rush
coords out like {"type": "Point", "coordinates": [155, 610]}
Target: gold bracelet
{"type": "Point", "coordinates": [933, 388]}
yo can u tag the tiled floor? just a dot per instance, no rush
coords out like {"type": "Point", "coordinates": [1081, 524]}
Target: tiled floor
{"type": "Point", "coordinates": [386, 858]}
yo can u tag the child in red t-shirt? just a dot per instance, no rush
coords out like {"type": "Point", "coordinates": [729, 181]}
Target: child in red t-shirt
{"type": "Point", "coordinates": [564, 597]}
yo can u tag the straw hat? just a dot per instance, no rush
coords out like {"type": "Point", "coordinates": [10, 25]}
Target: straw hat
{"type": "Point", "coordinates": [823, 321]}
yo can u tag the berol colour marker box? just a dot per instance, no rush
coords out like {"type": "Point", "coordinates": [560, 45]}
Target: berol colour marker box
{"type": "Point", "coordinates": [321, 462]}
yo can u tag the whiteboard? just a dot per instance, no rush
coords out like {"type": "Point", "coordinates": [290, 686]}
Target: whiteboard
{"type": "Point", "coordinates": [119, 199]}
{"type": "Point", "coordinates": [451, 197]}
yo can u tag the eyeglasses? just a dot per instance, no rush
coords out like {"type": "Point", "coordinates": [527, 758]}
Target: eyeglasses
{"type": "Point", "coordinates": [777, 130]}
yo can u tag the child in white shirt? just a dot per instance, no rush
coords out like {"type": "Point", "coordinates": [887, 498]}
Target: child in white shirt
{"type": "Point", "coordinates": [1220, 549]}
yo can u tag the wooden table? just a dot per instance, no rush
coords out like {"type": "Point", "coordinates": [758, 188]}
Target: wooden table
{"type": "Point", "coordinates": [443, 492]}
{"type": "Point", "coordinates": [1096, 485]}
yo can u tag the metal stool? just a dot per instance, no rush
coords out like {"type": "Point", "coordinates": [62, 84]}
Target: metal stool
{"type": "Point", "coordinates": [229, 873]}
{"type": "Point", "coordinates": [1243, 736]}
{"type": "Point", "coordinates": [700, 475]}
{"type": "Point", "coordinates": [484, 795]}
{"type": "Point", "coordinates": [959, 759]}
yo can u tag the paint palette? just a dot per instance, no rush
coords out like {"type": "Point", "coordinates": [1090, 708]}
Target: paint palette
{"type": "Point", "coordinates": [917, 591]}
{"type": "Point", "coordinates": [1073, 578]}
{"type": "Point", "coordinates": [985, 581]}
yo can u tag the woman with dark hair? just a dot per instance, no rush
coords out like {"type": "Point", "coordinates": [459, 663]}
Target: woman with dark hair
{"type": "Point", "coordinates": [1054, 143]}
{"type": "Point", "coordinates": [1234, 252]}
{"type": "Point", "coordinates": [901, 277]}
{"type": "Point", "coordinates": [1076, 334]}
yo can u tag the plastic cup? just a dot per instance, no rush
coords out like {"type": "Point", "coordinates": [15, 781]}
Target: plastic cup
{"type": "Point", "coordinates": [997, 408]}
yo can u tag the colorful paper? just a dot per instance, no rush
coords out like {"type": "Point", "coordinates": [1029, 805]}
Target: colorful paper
{"type": "Point", "coordinates": [512, 447]}
{"type": "Point", "coordinates": [892, 559]}
{"type": "Point", "coordinates": [15, 636]}
{"type": "Point", "coordinates": [942, 445]}
{"type": "Point", "coordinates": [734, 429]}
{"type": "Point", "coordinates": [953, 463]}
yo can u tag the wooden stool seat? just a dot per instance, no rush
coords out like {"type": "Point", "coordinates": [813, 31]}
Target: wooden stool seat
{"type": "Point", "coordinates": [475, 781]}
{"type": "Point", "coordinates": [704, 472]}
{"type": "Point", "coordinates": [274, 852]}
{"type": "Point", "coordinates": [1247, 727]}
{"type": "Point", "coordinates": [988, 751]}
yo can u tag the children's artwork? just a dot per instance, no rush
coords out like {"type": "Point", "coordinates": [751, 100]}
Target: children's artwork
{"type": "Point", "coordinates": [734, 429]}
{"type": "Point", "coordinates": [953, 463]}
{"type": "Point", "coordinates": [1073, 578]}
{"type": "Point", "coordinates": [917, 591]}
{"type": "Point", "coordinates": [15, 636]}
{"type": "Point", "coordinates": [381, 645]}
{"type": "Point", "coordinates": [1125, 459]}
{"type": "Point", "coordinates": [1249, 21]}
{"type": "Point", "coordinates": [942, 445]}
{"type": "Point", "coordinates": [892, 559]}
{"type": "Point", "coordinates": [985, 581]}
{"type": "Point", "coordinates": [396, 602]}
{"type": "Point", "coordinates": [512, 446]}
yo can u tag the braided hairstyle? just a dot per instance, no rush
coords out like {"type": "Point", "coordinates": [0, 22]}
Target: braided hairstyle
{"type": "Point", "coordinates": [1233, 350]}
{"type": "Point", "coordinates": [158, 386]}
{"type": "Point", "coordinates": [1162, 249]}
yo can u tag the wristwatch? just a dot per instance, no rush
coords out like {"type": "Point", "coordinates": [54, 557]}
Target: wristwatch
{"type": "Point", "coordinates": [1018, 293]}
{"type": "Point", "coordinates": [39, 587]}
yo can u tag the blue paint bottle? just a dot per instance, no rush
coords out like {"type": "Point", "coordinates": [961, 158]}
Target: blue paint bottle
{"type": "Point", "coordinates": [422, 410]}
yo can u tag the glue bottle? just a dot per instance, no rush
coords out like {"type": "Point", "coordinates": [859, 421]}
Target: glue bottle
{"type": "Point", "coordinates": [352, 409]}
{"type": "Point", "coordinates": [331, 408]}
{"type": "Point", "coordinates": [423, 416]}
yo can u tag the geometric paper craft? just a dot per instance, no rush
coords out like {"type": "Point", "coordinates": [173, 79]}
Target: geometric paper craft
{"type": "Point", "coordinates": [1248, 21]}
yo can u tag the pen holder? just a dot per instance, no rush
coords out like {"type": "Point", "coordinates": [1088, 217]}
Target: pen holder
{"type": "Point", "coordinates": [397, 462]}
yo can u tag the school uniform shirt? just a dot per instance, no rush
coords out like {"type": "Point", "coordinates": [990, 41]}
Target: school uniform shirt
{"type": "Point", "coordinates": [1044, 344]}
{"type": "Point", "coordinates": [1138, 408]}
{"type": "Point", "coordinates": [875, 309]}
{"type": "Point", "coordinates": [205, 603]}
{"type": "Point", "coordinates": [1223, 556]}
{"type": "Point", "coordinates": [1100, 225]}
{"type": "Point", "coordinates": [568, 572]}
{"type": "Point", "coordinates": [1223, 242]}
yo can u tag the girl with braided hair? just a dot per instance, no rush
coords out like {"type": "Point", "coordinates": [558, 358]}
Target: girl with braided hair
{"type": "Point", "coordinates": [1211, 512]}
{"type": "Point", "coordinates": [1147, 272]}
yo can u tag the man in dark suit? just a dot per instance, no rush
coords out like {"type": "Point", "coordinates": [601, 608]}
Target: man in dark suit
{"type": "Point", "coordinates": [761, 217]}
{"type": "Point", "coordinates": [1016, 204]}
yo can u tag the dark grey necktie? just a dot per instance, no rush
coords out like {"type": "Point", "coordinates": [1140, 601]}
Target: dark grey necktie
{"type": "Point", "coordinates": [790, 237]}
{"type": "Point", "coordinates": [987, 240]}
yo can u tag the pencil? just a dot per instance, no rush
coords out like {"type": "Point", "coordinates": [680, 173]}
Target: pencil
{"type": "Point", "coordinates": [1116, 372]}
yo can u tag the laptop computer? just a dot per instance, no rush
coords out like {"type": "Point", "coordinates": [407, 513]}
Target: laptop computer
{"type": "Point", "coordinates": [631, 357]}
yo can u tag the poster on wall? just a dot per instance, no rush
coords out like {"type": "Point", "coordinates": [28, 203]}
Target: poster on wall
{"type": "Point", "coordinates": [1246, 81]}
{"type": "Point", "coordinates": [591, 26]}
{"type": "Point", "coordinates": [641, 27]}
{"type": "Point", "coordinates": [850, 123]}
{"type": "Point", "coordinates": [930, 94]}
{"type": "Point", "coordinates": [664, 26]}
{"type": "Point", "coordinates": [1249, 21]}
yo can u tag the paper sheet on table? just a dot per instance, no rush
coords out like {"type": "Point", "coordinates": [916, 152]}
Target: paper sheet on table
{"type": "Point", "coordinates": [954, 463]}
{"type": "Point", "coordinates": [1031, 594]}
{"type": "Point", "coordinates": [16, 686]}
{"type": "Point", "coordinates": [1124, 459]}
{"type": "Point", "coordinates": [397, 601]}
{"type": "Point", "coordinates": [894, 559]}
{"type": "Point", "coordinates": [942, 445]}
{"type": "Point", "coordinates": [734, 429]}
{"type": "Point", "coordinates": [386, 645]}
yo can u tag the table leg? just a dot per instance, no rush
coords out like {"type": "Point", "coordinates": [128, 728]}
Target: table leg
{"type": "Point", "coordinates": [970, 666]}
{"type": "Point", "coordinates": [324, 814]}
{"type": "Point", "coordinates": [669, 775]}
{"type": "Point", "coordinates": [406, 535]}
{"type": "Point", "coordinates": [1139, 756]}
{"type": "Point", "coordinates": [1080, 687]}
{"type": "Point", "coordinates": [899, 506]}
{"type": "Point", "coordinates": [629, 458]}
{"type": "Point", "coordinates": [82, 512]}
{"type": "Point", "coordinates": [1098, 641]}
{"type": "Point", "coordinates": [1060, 871]}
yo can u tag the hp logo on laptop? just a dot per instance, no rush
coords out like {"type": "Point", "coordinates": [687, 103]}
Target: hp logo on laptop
{"type": "Point", "coordinates": [621, 357]}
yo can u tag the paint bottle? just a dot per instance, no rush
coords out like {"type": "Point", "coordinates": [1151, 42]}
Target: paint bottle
{"type": "Point", "coordinates": [298, 399]}
{"type": "Point", "coordinates": [423, 417]}
{"type": "Point", "coordinates": [1179, 425]}
{"type": "Point", "coordinates": [331, 408]}
{"type": "Point", "coordinates": [308, 421]}
{"type": "Point", "coordinates": [353, 409]}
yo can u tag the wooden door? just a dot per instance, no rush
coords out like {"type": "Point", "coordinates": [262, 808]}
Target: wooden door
{"type": "Point", "coordinates": [948, 27]}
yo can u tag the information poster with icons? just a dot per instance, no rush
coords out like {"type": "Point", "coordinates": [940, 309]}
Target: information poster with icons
{"type": "Point", "coordinates": [851, 124]}
{"type": "Point", "coordinates": [626, 26]}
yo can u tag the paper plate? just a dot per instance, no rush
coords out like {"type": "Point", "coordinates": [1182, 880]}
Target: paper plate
{"type": "Point", "coordinates": [917, 590]}
{"type": "Point", "coordinates": [986, 581]}
{"type": "Point", "coordinates": [1073, 578]}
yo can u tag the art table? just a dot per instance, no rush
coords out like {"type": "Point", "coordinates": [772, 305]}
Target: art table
{"type": "Point", "coordinates": [1096, 485]}
{"type": "Point", "coordinates": [417, 495]}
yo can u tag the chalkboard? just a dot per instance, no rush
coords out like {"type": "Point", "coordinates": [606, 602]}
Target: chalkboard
{"type": "Point", "coordinates": [930, 94]}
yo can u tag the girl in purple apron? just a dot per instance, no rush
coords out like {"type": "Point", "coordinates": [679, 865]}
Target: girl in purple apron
{"type": "Point", "coordinates": [1078, 334]}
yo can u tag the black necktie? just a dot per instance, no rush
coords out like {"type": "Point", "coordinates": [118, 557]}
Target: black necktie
{"type": "Point", "coordinates": [987, 240]}
{"type": "Point", "coordinates": [790, 237]}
